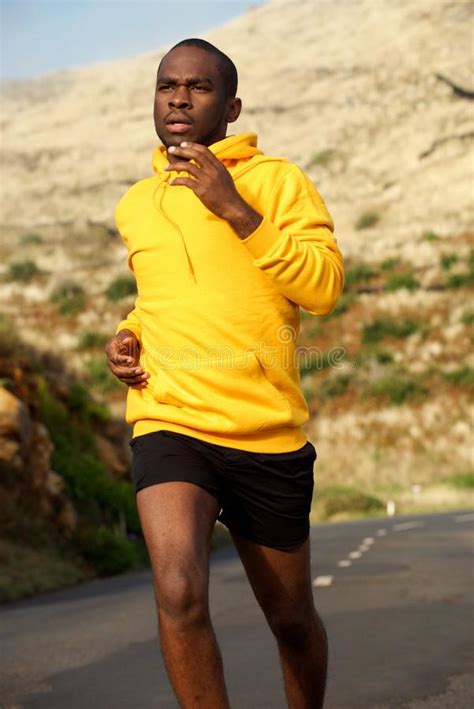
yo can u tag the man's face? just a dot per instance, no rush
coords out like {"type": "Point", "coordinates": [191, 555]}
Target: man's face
{"type": "Point", "coordinates": [190, 100]}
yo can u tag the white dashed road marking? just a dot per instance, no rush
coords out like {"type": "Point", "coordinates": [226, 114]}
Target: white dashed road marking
{"type": "Point", "coordinates": [354, 555]}
{"type": "Point", "coordinates": [381, 532]}
{"type": "Point", "coordinates": [323, 580]}
{"type": "Point", "coordinates": [344, 562]}
{"type": "Point", "coordinates": [465, 518]}
{"type": "Point", "coordinates": [368, 540]}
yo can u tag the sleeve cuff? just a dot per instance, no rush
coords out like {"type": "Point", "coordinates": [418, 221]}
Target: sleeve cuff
{"type": "Point", "coordinates": [124, 325]}
{"type": "Point", "coordinates": [263, 240]}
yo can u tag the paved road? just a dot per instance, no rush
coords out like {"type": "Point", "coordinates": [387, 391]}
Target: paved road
{"type": "Point", "coordinates": [395, 595]}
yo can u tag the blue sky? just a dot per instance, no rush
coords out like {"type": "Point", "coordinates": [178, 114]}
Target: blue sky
{"type": "Point", "coordinates": [40, 36]}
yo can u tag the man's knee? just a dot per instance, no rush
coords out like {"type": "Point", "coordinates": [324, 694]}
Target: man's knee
{"type": "Point", "coordinates": [182, 595]}
{"type": "Point", "coordinates": [293, 627]}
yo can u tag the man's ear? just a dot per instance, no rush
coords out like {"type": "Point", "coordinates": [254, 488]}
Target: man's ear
{"type": "Point", "coordinates": [234, 107]}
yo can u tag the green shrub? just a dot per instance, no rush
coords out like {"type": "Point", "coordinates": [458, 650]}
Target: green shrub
{"type": "Point", "coordinates": [359, 273]}
{"type": "Point", "coordinates": [101, 376]}
{"type": "Point", "coordinates": [367, 220]}
{"type": "Point", "coordinates": [79, 400]}
{"type": "Point", "coordinates": [91, 339]}
{"type": "Point", "coordinates": [74, 457]}
{"type": "Point", "coordinates": [396, 387]}
{"type": "Point", "coordinates": [383, 327]}
{"type": "Point", "coordinates": [121, 287]}
{"type": "Point", "coordinates": [23, 271]}
{"type": "Point", "coordinates": [31, 239]}
{"type": "Point", "coordinates": [333, 386]}
{"type": "Point", "coordinates": [109, 552]}
{"type": "Point", "coordinates": [322, 360]}
{"type": "Point", "coordinates": [460, 280]}
{"type": "Point", "coordinates": [69, 298]}
{"type": "Point", "coordinates": [390, 263]}
{"type": "Point", "coordinates": [430, 236]}
{"type": "Point", "coordinates": [448, 260]}
{"type": "Point", "coordinates": [462, 377]}
{"type": "Point", "coordinates": [402, 280]}
{"type": "Point", "coordinates": [462, 480]}
{"type": "Point", "coordinates": [335, 499]}
{"type": "Point", "coordinates": [383, 356]}
{"type": "Point", "coordinates": [323, 157]}
{"type": "Point", "coordinates": [468, 317]}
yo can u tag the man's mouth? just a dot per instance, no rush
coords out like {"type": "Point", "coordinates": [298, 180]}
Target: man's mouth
{"type": "Point", "coordinates": [178, 124]}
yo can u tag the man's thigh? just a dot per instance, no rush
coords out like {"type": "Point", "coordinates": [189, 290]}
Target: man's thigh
{"type": "Point", "coordinates": [280, 579]}
{"type": "Point", "coordinates": [177, 520]}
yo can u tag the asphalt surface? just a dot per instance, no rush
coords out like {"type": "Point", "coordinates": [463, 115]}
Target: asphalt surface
{"type": "Point", "coordinates": [395, 595]}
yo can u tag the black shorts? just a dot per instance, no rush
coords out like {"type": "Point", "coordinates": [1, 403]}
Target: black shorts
{"type": "Point", "coordinates": [264, 497]}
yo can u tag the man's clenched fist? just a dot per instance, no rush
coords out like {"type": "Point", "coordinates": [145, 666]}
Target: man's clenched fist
{"type": "Point", "coordinates": [123, 356]}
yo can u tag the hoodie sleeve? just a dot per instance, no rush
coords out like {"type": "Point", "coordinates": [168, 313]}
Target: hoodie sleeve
{"type": "Point", "coordinates": [295, 246]}
{"type": "Point", "coordinates": [131, 321]}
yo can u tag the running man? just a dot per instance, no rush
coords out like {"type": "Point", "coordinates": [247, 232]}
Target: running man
{"type": "Point", "coordinates": [226, 245]}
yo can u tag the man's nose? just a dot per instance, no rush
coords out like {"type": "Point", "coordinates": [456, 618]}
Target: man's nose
{"type": "Point", "coordinates": [181, 97]}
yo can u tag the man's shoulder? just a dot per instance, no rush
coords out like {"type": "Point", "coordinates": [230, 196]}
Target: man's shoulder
{"type": "Point", "coordinates": [271, 171]}
{"type": "Point", "coordinates": [134, 193]}
{"type": "Point", "coordinates": [276, 165]}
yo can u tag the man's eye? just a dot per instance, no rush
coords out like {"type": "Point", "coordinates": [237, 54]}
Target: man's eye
{"type": "Point", "coordinates": [163, 87]}
{"type": "Point", "coordinates": [200, 88]}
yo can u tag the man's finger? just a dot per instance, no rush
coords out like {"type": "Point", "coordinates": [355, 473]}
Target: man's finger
{"type": "Point", "coordinates": [186, 166]}
{"type": "Point", "coordinates": [197, 151]}
{"type": "Point", "coordinates": [188, 182]}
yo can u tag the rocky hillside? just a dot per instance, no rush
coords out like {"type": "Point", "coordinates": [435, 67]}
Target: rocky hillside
{"type": "Point", "coordinates": [374, 101]}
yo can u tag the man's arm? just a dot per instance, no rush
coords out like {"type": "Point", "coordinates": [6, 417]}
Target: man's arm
{"type": "Point", "coordinates": [131, 322]}
{"type": "Point", "coordinates": [294, 244]}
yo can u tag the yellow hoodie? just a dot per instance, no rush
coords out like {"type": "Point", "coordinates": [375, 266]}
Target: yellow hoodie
{"type": "Point", "coordinates": [218, 316]}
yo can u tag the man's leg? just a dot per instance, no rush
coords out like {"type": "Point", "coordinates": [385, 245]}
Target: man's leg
{"type": "Point", "coordinates": [177, 520]}
{"type": "Point", "coordinates": [281, 581]}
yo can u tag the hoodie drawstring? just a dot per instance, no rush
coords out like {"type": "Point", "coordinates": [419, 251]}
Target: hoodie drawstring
{"type": "Point", "coordinates": [164, 183]}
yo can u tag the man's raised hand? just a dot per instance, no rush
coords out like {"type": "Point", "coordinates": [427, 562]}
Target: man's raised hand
{"type": "Point", "coordinates": [212, 182]}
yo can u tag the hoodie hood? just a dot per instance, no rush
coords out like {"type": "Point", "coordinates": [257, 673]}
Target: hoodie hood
{"type": "Point", "coordinates": [229, 151]}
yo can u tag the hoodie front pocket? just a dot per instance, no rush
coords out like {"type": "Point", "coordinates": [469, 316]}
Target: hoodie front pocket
{"type": "Point", "coordinates": [228, 397]}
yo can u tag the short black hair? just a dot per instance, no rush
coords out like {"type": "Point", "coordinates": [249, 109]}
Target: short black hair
{"type": "Point", "coordinates": [226, 65]}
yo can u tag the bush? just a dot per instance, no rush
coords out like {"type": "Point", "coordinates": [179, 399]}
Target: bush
{"type": "Point", "coordinates": [101, 376]}
{"type": "Point", "coordinates": [69, 298]}
{"type": "Point", "coordinates": [462, 377]}
{"type": "Point", "coordinates": [402, 280]}
{"type": "Point", "coordinates": [323, 157]}
{"type": "Point", "coordinates": [396, 387]}
{"type": "Point", "coordinates": [367, 220]}
{"type": "Point", "coordinates": [389, 264]}
{"type": "Point", "coordinates": [333, 386]}
{"type": "Point", "coordinates": [383, 356]}
{"type": "Point", "coordinates": [467, 317]}
{"type": "Point", "coordinates": [462, 480]}
{"type": "Point", "coordinates": [448, 260]}
{"type": "Point", "coordinates": [31, 239]}
{"type": "Point", "coordinates": [90, 339]}
{"type": "Point", "coordinates": [383, 327]}
{"type": "Point", "coordinates": [121, 287]}
{"type": "Point", "coordinates": [430, 236]}
{"type": "Point", "coordinates": [23, 271]}
{"type": "Point", "coordinates": [108, 551]}
{"type": "Point", "coordinates": [335, 499]}
{"type": "Point", "coordinates": [359, 272]}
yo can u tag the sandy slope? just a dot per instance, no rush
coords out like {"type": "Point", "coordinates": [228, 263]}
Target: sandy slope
{"type": "Point", "coordinates": [353, 77]}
